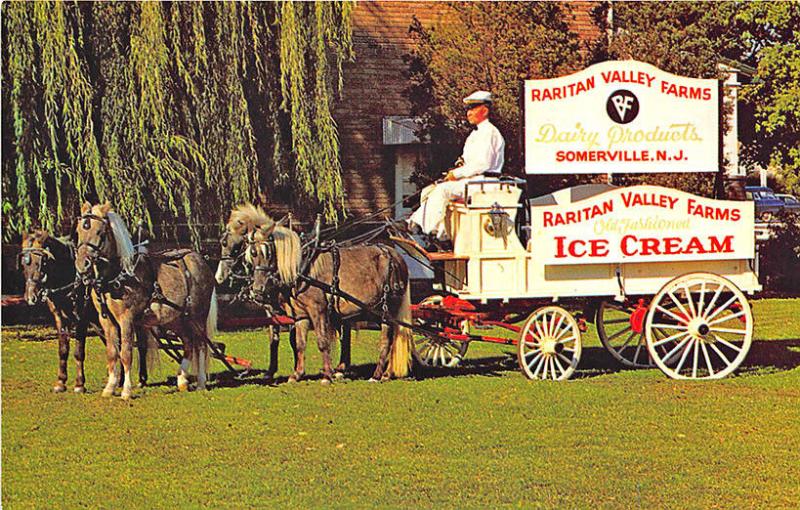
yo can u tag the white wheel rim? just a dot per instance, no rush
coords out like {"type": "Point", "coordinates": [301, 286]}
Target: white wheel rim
{"type": "Point", "coordinates": [616, 335]}
{"type": "Point", "coordinates": [438, 352]}
{"type": "Point", "coordinates": [549, 345]}
{"type": "Point", "coordinates": [705, 323]}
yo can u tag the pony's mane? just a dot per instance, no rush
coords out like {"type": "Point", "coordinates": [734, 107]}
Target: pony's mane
{"type": "Point", "coordinates": [246, 217]}
{"type": "Point", "coordinates": [123, 241]}
{"type": "Point", "coordinates": [288, 251]}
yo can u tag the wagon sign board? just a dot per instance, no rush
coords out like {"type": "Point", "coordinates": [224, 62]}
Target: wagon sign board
{"type": "Point", "coordinates": [643, 224]}
{"type": "Point", "coordinates": [621, 117]}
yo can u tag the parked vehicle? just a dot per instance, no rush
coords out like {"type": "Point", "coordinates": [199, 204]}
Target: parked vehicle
{"type": "Point", "coordinates": [790, 202]}
{"type": "Point", "coordinates": [767, 204]}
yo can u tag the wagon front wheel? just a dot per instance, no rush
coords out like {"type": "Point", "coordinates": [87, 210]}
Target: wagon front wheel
{"type": "Point", "coordinates": [430, 351]}
{"type": "Point", "coordinates": [549, 345]}
{"type": "Point", "coordinates": [705, 321]}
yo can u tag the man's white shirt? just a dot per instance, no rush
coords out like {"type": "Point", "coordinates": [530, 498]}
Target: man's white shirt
{"type": "Point", "coordinates": [483, 152]}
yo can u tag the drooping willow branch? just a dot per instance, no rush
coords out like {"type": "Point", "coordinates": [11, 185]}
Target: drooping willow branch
{"type": "Point", "coordinates": [164, 108]}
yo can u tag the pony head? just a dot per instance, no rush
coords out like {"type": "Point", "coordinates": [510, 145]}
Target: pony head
{"type": "Point", "coordinates": [274, 253]}
{"type": "Point", "coordinates": [244, 219]}
{"type": "Point", "coordinates": [102, 239]}
{"type": "Point", "coordinates": [34, 260]}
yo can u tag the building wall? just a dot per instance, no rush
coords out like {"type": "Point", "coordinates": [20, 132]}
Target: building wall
{"type": "Point", "coordinates": [373, 89]}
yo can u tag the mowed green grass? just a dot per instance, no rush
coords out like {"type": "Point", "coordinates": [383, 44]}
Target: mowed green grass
{"type": "Point", "coordinates": [479, 437]}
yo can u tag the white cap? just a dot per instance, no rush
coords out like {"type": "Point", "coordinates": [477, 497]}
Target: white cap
{"type": "Point", "coordinates": [479, 97]}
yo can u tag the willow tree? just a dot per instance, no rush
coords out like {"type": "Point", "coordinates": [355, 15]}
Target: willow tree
{"type": "Point", "coordinates": [163, 107]}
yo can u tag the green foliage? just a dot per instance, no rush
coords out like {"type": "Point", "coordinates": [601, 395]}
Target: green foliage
{"type": "Point", "coordinates": [489, 46]}
{"type": "Point", "coordinates": [161, 107]}
{"type": "Point", "coordinates": [492, 46]}
{"type": "Point", "coordinates": [690, 37]}
{"type": "Point", "coordinates": [686, 38]}
{"type": "Point", "coordinates": [773, 33]}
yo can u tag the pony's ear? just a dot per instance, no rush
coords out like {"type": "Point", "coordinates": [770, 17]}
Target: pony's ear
{"type": "Point", "coordinates": [105, 208]}
{"type": "Point", "coordinates": [86, 207]}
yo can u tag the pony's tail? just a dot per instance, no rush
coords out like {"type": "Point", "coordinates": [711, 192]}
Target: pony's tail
{"type": "Point", "coordinates": [211, 320]}
{"type": "Point", "coordinates": [210, 332]}
{"type": "Point", "coordinates": [400, 357]}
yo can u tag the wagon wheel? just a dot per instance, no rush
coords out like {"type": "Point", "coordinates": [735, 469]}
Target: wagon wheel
{"type": "Point", "coordinates": [707, 323]}
{"type": "Point", "coordinates": [618, 333]}
{"type": "Point", "coordinates": [549, 345]}
{"type": "Point", "coordinates": [435, 351]}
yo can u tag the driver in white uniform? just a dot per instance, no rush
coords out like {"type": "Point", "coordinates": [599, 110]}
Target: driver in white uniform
{"type": "Point", "coordinates": [482, 157]}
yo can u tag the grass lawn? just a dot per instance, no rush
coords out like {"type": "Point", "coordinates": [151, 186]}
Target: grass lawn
{"type": "Point", "coordinates": [481, 436]}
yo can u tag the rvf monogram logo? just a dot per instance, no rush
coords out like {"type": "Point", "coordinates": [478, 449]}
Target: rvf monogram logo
{"type": "Point", "coordinates": [622, 106]}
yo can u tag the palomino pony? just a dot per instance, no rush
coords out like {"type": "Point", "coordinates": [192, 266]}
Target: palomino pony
{"type": "Point", "coordinates": [244, 220]}
{"type": "Point", "coordinates": [173, 290]}
{"type": "Point", "coordinates": [48, 265]}
{"type": "Point", "coordinates": [375, 275]}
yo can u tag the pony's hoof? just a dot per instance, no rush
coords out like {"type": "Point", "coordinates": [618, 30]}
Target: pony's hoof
{"type": "Point", "coordinates": [338, 375]}
{"type": "Point", "coordinates": [107, 393]}
{"type": "Point", "coordinates": [183, 387]}
{"type": "Point", "coordinates": [325, 381]}
{"type": "Point", "coordinates": [373, 380]}
{"type": "Point", "coordinates": [79, 389]}
{"type": "Point", "coordinates": [126, 395]}
{"type": "Point", "coordinates": [59, 388]}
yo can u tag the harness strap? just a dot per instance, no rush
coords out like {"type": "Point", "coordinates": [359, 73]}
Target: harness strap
{"type": "Point", "coordinates": [158, 294]}
{"type": "Point", "coordinates": [333, 301]}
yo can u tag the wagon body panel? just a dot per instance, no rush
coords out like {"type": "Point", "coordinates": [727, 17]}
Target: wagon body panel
{"type": "Point", "coordinates": [487, 265]}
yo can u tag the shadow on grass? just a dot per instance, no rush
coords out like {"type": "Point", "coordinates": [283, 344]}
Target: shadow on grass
{"type": "Point", "coordinates": [769, 355]}
{"type": "Point", "coordinates": [772, 354]}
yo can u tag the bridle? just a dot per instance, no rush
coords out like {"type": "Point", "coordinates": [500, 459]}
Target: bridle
{"type": "Point", "coordinates": [236, 259]}
{"type": "Point", "coordinates": [25, 259]}
{"type": "Point", "coordinates": [238, 256]}
{"type": "Point", "coordinates": [96, 249]}
{"type": "Point", "coordinates": [43, 292]}
{"type": "Point", "coordinates": [267, 249]}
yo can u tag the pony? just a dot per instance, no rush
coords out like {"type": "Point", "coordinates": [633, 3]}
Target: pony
{"type": "Point", "coordinates": [131, 288]}
{"type": "Point", "coordinates": [242, 222]}
{"type": "Point", "coordinates": [375, 275]}
{"type": "Point", "coordinates": [48, 265]}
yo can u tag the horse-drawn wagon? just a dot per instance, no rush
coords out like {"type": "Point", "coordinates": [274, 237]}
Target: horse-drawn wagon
{"type": "Point", "coordinates": [663, 274]}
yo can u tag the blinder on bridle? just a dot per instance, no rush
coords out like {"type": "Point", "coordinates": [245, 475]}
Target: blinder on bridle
{"type": "Point", "coordinates": [236, 256]}
{"type": "Point", "coordinates": [25, 257]}
{"type": "Point", "coordinates": [271, 258]}
{"type": "Point", "coordinates": [86, 224]}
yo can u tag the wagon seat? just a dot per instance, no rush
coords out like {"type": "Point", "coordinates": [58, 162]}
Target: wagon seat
{"type": "Point", "coordinates": [484, 220]}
